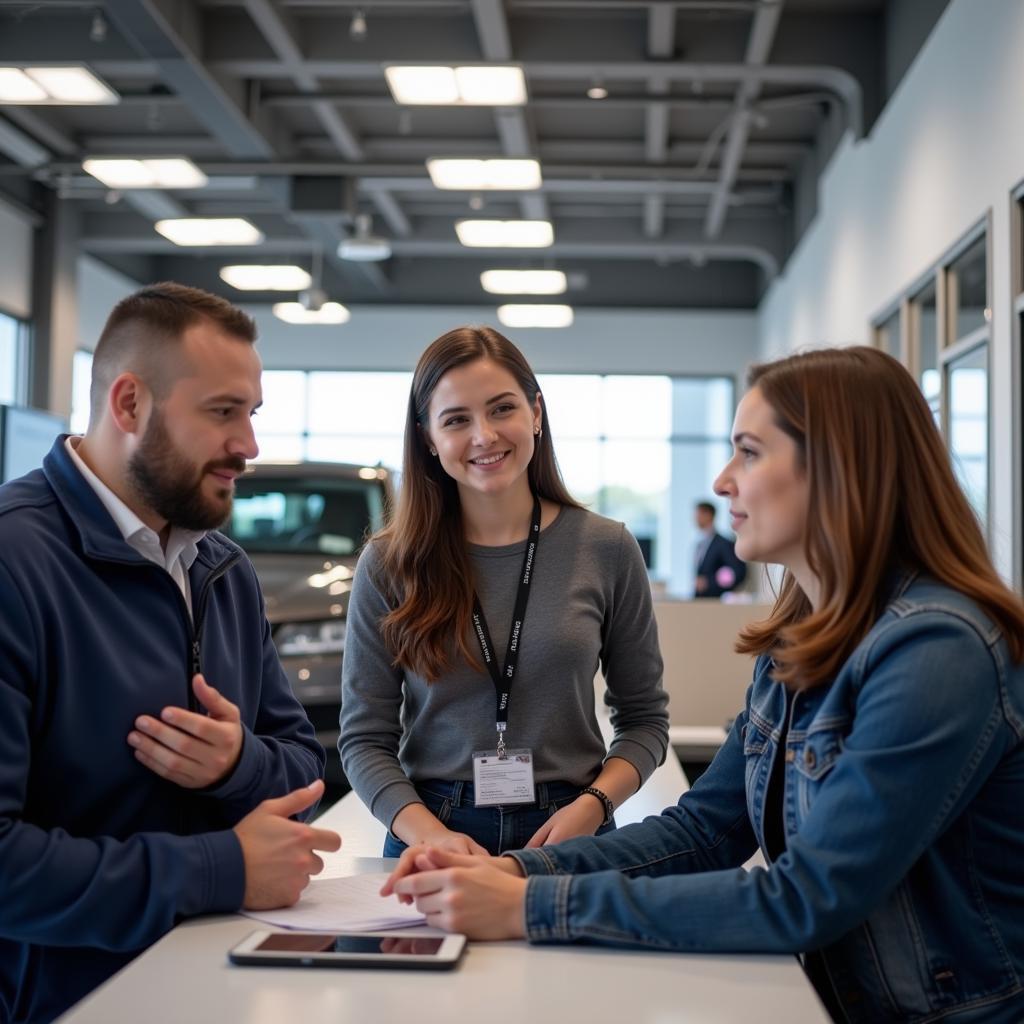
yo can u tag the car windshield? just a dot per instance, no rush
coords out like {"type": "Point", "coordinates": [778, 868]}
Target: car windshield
{"type": "Point", "coordinates": [305, 514]}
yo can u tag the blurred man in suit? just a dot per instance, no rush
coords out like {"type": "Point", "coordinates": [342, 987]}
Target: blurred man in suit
{"type": "Point", "coordinates": [718, 568]}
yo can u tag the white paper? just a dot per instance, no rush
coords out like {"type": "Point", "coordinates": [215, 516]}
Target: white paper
{"type": "Point", "coordinates": [352, 904]}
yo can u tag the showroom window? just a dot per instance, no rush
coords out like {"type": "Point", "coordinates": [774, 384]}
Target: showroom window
{"type": "Point", "coordinates": [1017, 364]}
{"type": "Point", "coordinates": [944, 323]}
{"type": "Point", "coordinates": [13, 354]}
{"type": "Point", "coordinates": [629, 447]}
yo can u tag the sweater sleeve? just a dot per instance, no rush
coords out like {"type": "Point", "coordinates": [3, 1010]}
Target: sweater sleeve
{"type": "Point", "coordinates": [60, 889]}
{"type": "Point", "coordinates": [371, 703]}
{"type": "Point", "coordinates": [632, 665]}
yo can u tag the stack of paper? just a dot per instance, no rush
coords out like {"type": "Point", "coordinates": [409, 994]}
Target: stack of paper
{"type": "Point", "coordinates": [343, 905]}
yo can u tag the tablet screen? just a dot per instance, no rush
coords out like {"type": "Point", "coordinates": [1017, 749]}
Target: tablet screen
{"type": "Point", "coordinates": [363, 944]}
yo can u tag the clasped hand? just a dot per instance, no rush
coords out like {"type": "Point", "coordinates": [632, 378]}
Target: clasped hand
{"type": "Point", "coordinates": [192, 750]}
{"type": "Point", "coordinates": [482, 897]}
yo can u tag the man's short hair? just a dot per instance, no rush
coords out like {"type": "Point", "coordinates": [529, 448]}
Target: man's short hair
{"type": "Point", "coordinates": [142, 329]}
{"type": "Point", "coordinates": [706, 506]}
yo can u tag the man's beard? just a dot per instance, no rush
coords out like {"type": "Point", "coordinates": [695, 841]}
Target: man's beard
{"type": "Point", "coordinates": [171, 486]}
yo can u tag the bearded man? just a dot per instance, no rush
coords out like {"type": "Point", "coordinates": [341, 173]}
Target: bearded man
{"type": "Point", "coordinates": [155, 763]}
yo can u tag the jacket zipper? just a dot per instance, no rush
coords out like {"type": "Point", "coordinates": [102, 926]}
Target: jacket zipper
{"type": "Point", "coordinates": [195, 625]}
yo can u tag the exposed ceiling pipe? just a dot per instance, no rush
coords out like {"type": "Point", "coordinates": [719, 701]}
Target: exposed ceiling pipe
{"type": "Point", "coordinates": [759, 45]}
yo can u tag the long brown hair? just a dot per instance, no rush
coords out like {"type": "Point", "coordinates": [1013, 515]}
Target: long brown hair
{"type": "Point", "coordinates": [425, 569]}
{"type": "Point", "coordinates": [883, 497]}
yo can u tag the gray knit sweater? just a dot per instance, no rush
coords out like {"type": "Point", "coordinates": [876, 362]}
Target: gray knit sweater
{"type": "Point", "coordinates": [590, 603]}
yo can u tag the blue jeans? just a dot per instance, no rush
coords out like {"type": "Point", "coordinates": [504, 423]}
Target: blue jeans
{"type": "Point", "coordinates": [497, 829]}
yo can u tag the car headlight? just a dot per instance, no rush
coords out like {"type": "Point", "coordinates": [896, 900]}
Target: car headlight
{"type": "Point", "coordinates": [299, 639]}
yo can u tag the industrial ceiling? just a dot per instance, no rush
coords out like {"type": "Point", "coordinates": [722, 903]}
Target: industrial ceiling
{"type": "Point", "coordinates": [680, 142]}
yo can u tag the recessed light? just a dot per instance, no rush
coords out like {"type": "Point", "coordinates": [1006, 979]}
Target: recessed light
{"type": "Point", "coordinates": [597, 92]}
{"type": "Point", "coordinates": [65, 85]}
{"type": "Point", "coordinates": [295, 313]}
{"type": "Point", "coordinates": [471, 175]}
{"type": "Point", "coordinates": [523, 282]}
{"type": "Point", "coordinates": [535, 316]}
{"type": "Point", "coordinates": [499, 234]}
{"type": "Point", "coordinates": [266, 278]}
{"type": "Point", "coordinates": [165, 172]}
{"type": "Point", "coordinates": [210, 231]}
{"type": "Point", "coordinates": [469, 85]}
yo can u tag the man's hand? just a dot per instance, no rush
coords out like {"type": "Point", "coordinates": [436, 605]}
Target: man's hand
{"type": "Point", "coordinates": [476, 896]}
{"type": "Point", "coordinates": [192, 750]}
{"type": "Point", "coordinates": [700, 584]}
{"type": "Point", "coordinates": [583, 817]}
{"type": "Point", "coordinates": [278, 852]}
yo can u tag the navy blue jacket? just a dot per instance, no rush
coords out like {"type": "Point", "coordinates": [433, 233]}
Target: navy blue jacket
{"type": "Point", "coordinates": [720, 554]}
{"type": "Point", "coordinates": [99, 856]}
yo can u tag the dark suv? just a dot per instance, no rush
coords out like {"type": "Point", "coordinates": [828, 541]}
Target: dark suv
{"type": "Point", "coordinates": [303, 524]}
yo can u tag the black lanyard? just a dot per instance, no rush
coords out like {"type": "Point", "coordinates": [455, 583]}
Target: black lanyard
{"type": "Point", "coordinates": [503, 677]}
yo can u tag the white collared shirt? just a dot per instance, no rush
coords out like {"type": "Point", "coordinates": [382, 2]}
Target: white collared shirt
{"type": "Point", "coordinates": [182, 544]}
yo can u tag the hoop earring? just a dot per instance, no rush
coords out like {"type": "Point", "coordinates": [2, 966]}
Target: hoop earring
{"type": "Point", "coordinates": [538, 432]}
{"type": "Point", "coordinates": [433, 451]}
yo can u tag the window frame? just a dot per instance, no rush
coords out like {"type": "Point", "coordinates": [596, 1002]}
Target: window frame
{"type": "Point", "coordinates": [1017, 379]}
{"type": "Point", "coordinates": [22, 354]}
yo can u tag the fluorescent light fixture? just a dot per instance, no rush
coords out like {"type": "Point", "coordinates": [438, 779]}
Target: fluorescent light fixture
{"type": "Point", "coordinates": [523, 282]}
{"type": "Point", "coordinates": [166, 172]}
{"type": "Point", "coordinates": [474, 175]}
{"type": "Point", "coordinates": [469, 86]}
{"type": "Point", "coordinates": [54, 85]}
{"type": "Point", "coordinates": [502, 234]}
{"type": "Point", "coordinates": [535, 316]}
{"type": "Point", "coordinates": [17, 87]}
{"type": "Point", "coordinates": [422, 85]}
{"type": "Point", "coordinates": [210, 231]}
{"type": "Point", "coordinates": [328, 313]}
{"type": "Point", "coordinates": [266, 278]}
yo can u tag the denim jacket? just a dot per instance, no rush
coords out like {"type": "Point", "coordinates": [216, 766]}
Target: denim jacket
{"type": "Point", "coordinates": [903, 873]}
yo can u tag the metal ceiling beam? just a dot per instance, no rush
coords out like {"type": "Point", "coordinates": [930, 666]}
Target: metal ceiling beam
{"type": "Point", "coordinates": [511, 123]}
{"type": "Point", "coordinates": [159, 29]}
{"type": "Point", "coordinates": [21, 148]}
{"type": "Point", "coordinates": [759, 45]}
{"type": "Point", "coordinates": [278, 28]}
{"type": "Point", "coordinates": [610, 248]}
{"type": "Point", "coordinates": [661, 33]}
{"type": "Point", "coordinates": [388, 208]}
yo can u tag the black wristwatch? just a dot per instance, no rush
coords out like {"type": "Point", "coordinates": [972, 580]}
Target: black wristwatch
{"type": "Point", "coordinates": [606, 801]}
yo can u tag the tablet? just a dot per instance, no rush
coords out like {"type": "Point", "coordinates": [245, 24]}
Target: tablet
{"type": "Point", "coordinates": [363, 949]}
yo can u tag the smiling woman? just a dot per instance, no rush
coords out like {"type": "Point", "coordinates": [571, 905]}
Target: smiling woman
{"type": "Point", "coordinates": [487, 543]}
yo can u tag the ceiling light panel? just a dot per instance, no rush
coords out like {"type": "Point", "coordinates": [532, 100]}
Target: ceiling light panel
{"type": "Point", "coordinates": [166, 172]}
{"type": "Point", "coordinates": [521, 315]}
{"type": "Point", "coordinates": [505, 234]}
{"type": "Point", "coordinates": [262, 278]}
{"type": "Point", "coordinates": [17, 87]}
{"type": "Point", "coordinates": [328, 313]}
{"type": "Point", "coordinates": [523, 282]}
{"type": "Point", "coordinates": [210, 231]}
{"type": "Point", "coordinates": [448, 86]}
{"type": "Point", "coordinates": [478, 175]}
{"type": "Point", "coordinates": [71, 85]}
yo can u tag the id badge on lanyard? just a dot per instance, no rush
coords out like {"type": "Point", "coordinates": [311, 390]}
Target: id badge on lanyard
{"type": "Point", "coordinates": [504, 776]}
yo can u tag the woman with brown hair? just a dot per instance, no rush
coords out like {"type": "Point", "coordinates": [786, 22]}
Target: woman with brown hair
{"type": "Point", "coordinates": [879, 761]}
{"type": "Point", "coordinates": [449, 733]}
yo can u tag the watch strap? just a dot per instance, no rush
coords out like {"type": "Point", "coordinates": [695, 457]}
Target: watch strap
{"type": "Point", "coordinates": [606, 800]}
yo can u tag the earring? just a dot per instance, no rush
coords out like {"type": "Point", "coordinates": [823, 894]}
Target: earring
{"type": "Point", "coordinates": [538, 433]}
{"type": "Point", "coordinates": [433, 451]}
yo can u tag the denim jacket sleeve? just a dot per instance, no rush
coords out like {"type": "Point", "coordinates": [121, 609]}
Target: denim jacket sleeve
{"type": "Point", "coordinates": [928, 729]}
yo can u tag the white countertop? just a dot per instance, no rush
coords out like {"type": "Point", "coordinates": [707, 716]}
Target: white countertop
{"type": "Point", "coordinates": [186, 977]}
